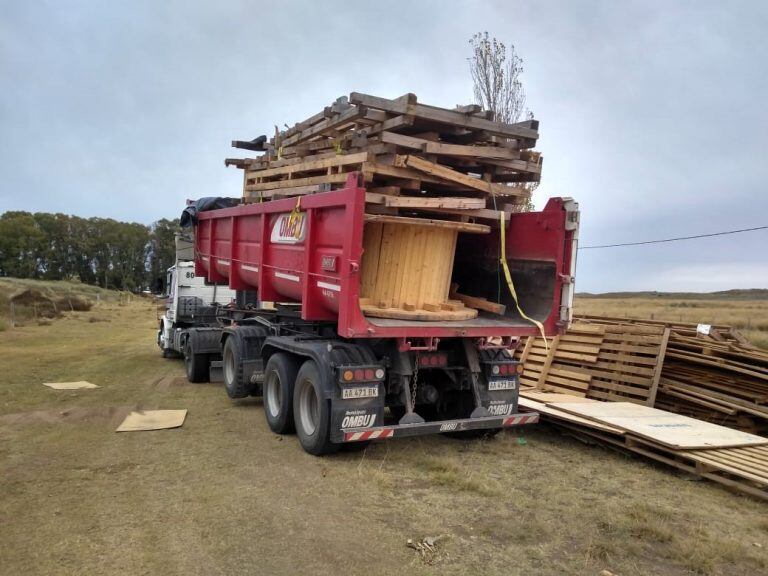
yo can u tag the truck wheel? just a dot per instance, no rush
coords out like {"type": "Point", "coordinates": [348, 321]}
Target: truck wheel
{"type": "Point", "coordinates": [312, 412]}
{"type": "Point", "coordinates": [234, 378]}
{"type": "Point", "coordinates": [197, 365]}
{"type": "Point", "coordinates": [279, 380]}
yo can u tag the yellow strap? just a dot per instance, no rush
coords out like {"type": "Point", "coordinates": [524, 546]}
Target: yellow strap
{"type": "Point", "coordinates": [337, 147]}
{"type": "Point", "coordinates": [508, 277]}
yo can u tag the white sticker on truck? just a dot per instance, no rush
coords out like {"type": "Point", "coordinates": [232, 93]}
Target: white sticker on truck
{"type": "Point", "coordinates": [289, 228]}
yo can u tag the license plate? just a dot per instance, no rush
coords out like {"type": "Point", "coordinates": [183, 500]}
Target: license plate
{"type": "Point", "coordinates": [502, 385]}
{"type": "Point", "coordinates": [359, 392]}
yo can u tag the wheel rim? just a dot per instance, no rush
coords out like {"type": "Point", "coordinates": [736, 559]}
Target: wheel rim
{"type": "Point", "coordinates": [274, 393]}
{"type": "Point", "coordinates": [229, 366]}
{"type": "Point", "coordinates": [309, 408]}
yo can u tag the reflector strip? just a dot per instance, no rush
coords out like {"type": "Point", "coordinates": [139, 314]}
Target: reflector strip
{"type": "Point", "coordinates": [222, 262]}
{"type": "Point", "coordinates": [290, 277]}
{"type": "Point", "coordinates": [334, 287]}
{"type": "Point", "coordinates": [368, 435]}
{"type": "Point", "coordinates": [521, 419]}
{"type": "Point", "coordinates": [250, 268]}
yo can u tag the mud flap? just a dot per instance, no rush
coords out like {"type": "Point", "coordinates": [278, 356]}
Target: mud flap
{"type": "Point", "coordinates": [360, 413]}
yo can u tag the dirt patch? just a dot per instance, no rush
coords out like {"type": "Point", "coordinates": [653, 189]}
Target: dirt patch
{"type": "Point", "coordinates": [171, 381]}
{"type": "Point", "coordinates": [74, 415]}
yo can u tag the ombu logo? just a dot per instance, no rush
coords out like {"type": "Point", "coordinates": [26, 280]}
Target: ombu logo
{"type": "Point", "coordinates": [289, 228]}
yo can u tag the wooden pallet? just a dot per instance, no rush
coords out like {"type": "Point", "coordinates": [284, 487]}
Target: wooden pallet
{"type": "Point", "coordinates": [740, 468]}
{"type": "Point", "coordinates": [397, 143]}
{"type": "Point", "coordinates": [603, 362]}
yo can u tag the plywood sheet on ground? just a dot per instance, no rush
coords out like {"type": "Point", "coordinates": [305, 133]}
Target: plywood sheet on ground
{"type": "Point", "coordinates": [152, 420]}
{"type": "Point", "coordinates": [531, 405]}
{"type": "Point", "coordinates": [666, 428]}
{"type": "Point", "coordinates": [82, 385]}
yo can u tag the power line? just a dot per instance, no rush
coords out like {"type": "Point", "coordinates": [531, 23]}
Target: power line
{"type": "Point", "coordinates": [675, 239]}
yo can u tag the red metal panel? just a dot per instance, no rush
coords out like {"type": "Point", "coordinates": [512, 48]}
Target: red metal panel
{"type": "Point", "coordinates": [322, 270]}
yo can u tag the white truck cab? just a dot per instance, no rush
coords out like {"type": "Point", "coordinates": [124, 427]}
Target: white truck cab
{"type": "Point", "coordinates": [189, 321]}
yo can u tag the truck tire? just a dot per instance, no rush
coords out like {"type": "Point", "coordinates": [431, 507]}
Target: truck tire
{"type": "Point", "coordinates": [311, 412]}
{"type": "Point", "coordinates": [279, 382]}
{"type": "Point", "coordinates": [234, 378]}
{"type": "Point", "coordinates": [197, 365]}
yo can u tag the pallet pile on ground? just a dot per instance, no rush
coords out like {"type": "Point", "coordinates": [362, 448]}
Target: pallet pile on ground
{"type": "Point", "coordinates": [713, 374]}
{"type": "Point", "coordinates": [599, 361]}
{"type": "Point", "coordinates": [735, 459]}
{"type": "Point", "coordinates": [712, 382]}
{"type": "Point", "coordinates": [430, 173]}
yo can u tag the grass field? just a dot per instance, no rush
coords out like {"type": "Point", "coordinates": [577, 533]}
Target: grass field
{"type": "Point", "coordinates": [748, 315]}
{"type": "Point", "coordinates": [223, 495]}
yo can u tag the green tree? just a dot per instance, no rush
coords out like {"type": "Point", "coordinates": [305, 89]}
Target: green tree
{"type": "Point", "coordinates": [21, 242]}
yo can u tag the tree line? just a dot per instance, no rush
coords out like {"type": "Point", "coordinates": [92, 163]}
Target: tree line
{"type": "Point", "coordinates": [101, 251]}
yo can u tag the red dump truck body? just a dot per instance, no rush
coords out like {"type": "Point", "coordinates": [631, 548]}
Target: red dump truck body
{"type": "Point", "coordinates": [313, 258]}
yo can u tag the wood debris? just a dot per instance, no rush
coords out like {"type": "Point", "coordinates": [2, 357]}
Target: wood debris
{"type": "Point", "coordinates": [713, 376]}
{"type": "Point", "coordinates": [413, 158]}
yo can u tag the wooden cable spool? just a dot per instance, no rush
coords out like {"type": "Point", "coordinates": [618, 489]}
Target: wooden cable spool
{"type": "Point", "coordinates": [406, 269]}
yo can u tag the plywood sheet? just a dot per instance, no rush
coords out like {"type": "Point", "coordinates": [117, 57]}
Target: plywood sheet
{"type": "Point", "coordinates": [82, 385]}
{"type": "Point", "coordinates": [152, 420]}
{"type": "Point", "coordinates": [542, 408]}
{"type": "Point", "coordinates": [663, 427]}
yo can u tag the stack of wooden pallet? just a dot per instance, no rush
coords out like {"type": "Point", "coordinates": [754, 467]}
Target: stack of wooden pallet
{"type": "Point", "coordinates": [680, 378]}
{"type": "Point", "coordinates": [430, 173]}
{"type": "Point", "coordinates": [413, 157]}
{"type": "Point", "coordinates": [713, 374]}
{"type": "Point", "coordinates": [735, 459]}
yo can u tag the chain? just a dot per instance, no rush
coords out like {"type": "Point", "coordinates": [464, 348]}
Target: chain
{"type": "Point", "coordinates": [414, 383]}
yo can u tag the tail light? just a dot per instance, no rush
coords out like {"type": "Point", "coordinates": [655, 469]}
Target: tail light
{"type": "Point", "coordinates": [360, 374]}
{"type": "Point", "coordinates": [433, 360]}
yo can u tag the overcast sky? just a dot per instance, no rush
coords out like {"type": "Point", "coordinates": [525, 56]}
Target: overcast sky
{"type": "Point", "coordinates": [653, 114]}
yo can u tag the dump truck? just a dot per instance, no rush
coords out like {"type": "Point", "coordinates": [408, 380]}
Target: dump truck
{"type": "Point", "coordinates": [301, 334]}
{"type": "Point", "coordinates": [189, 326]}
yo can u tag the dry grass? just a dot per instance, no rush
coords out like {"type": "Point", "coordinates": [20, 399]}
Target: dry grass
{"type": "Point", "coordinates": [223, 495]}
{"type": "Point", "coordinates": [750, 317]}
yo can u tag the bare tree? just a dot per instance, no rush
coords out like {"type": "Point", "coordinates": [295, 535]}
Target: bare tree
{"type": "Point", "coordinates": [496, 71]}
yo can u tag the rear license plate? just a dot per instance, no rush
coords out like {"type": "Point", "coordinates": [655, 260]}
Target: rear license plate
{"type": "Point", "coordinates": [502, 385]}
{"type": "Point", "coordinates": [359, 392]}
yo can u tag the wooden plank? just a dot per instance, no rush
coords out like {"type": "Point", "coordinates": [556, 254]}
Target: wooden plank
{"type": "Point", "coordinates": [548, 362]}
{"type": "Point", "coordinates": [391, 124]}
{"type": "Point", "coordinates": [327, 179]}
{"type": "Point", "coordinates": [481, 213]}
{"type": "Point", "coordinates": [452, 175]}
{"type": "Point", "coordinates": [480, 303]}
{"type": "Point", "coordinates": [425, 202]}
{"type": "Point", "coordinates": [307, 165]}
{"type": "Point", "coordinates": [407, 105]}
{"type": "Point", "coordinates": [460, 226]}
{"type": "Point", "coordinates": [324, 126]}
{"type": "Point", "coordinates": [659, 365]}
{"type": "Point", "coordinates": [282, 192]}
{"type": "Point", "coordinates": [665, 428]}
